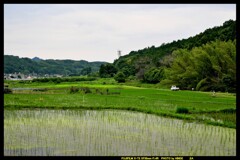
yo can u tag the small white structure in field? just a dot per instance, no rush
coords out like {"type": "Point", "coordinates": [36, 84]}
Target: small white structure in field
{"type": "Point", "coordinates": [213, 93]}
{"type": "Point", "coordinates": [174, 88]}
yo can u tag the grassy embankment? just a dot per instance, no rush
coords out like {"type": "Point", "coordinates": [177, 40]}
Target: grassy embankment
{"type": "Point", "coordinates": [199, 106]}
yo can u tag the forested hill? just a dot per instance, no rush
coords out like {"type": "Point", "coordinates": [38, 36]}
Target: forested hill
{"type": "Point", "coordinates": [204, 62]}
{"type": "Point", "coordinates": [14, 64]}
{"type": "Point", "coordinates": [151, 56]}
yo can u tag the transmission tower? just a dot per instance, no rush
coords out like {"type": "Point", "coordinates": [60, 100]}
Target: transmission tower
{"type": "Point", "coordinates": [119, 53]}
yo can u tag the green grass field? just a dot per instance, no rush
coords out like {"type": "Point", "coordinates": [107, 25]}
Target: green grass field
{"type": "Point", "coordinates": [202, 106]}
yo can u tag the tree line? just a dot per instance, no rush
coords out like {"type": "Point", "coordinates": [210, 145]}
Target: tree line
{"type": "Point", "coordinates": [62, 79]}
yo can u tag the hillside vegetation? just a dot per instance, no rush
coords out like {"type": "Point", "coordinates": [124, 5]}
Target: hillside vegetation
{"type": "Point", "coordinates": [204, 62]}
{"type": "Point", "coordinates": [14, 64]}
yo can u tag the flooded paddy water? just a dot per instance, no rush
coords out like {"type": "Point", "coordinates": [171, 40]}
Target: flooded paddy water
{"type": "Point", "coordinates": [45, 132]}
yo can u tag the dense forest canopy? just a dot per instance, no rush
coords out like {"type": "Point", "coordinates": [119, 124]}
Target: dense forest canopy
{"type": "Point", "coordinates": [14, 64]}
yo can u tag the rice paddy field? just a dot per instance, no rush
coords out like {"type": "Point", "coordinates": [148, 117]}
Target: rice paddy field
{"type": "Point", "coordinates": [104, 118]}
{"type": "Point", "coordinates": [45, 132]}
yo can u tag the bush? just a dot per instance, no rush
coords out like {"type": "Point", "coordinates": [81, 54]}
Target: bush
{"type": "Point", "coordinates": [86, 90]}
{"type": "Point", "coordinates": [57, 80]}
{"type": "Point", "coordinates": [120, 77]}
{"type": "Point", "coordinates": [74, 90]}
{"type": "Point", "coordinates": [40, 89]}
{"type": "Point", "coordinates": [131, 78]}
{"type": "Point", "coordinates": [228, 110]}
{"type": "Point", "coordinates": [204, 85]}
{"type": "Point", "coordinates": [182, 110]}
{"type": "Point", "coordinates": [154, 75]}
{"type": "Point", "coordinates": [7, 91]}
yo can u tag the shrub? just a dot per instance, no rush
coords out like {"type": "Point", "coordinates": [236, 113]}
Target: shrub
{"type": "Point", "coordinates": [40, 89]}
{"type": "Point", "coordinates": [74, 90]}
{"type": "Point", "coordinates": [120, 77]}
{"type": "Point", "coordinates": [86, 90]}
{"type": "Point", "coordinates": [182, 110]}
{"type": "Point", "coordinates": [154, 75]}
{"type": "Point", "coordinates": [228, 110]}
{"type": "Point", "coordinates": [7, 91]}
{"type": "Point", "coordinates": [131, 78]}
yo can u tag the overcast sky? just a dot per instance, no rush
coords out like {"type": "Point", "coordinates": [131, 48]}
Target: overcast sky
{"type": "Point", "coordinates": [95, 32]}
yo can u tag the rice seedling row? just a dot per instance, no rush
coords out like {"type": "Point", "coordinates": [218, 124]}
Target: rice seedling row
{"type": "Point", "coordinates": [110, 132]}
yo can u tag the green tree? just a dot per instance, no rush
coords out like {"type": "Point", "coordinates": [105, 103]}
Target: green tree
{"type": "Point", "coordinates": [120, 77]}
{"type": "Point", "coordinates": [209, 67]}
{"type": "Point", "coordinates": [107, 70]}
{"type": "Point", "coordinates": [86, 71]}
{"type": "Point", "coordinates": [154, 75]}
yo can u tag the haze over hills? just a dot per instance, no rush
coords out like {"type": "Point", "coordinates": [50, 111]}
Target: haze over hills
{"type": "Point", "coordinates": [37, 65]}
